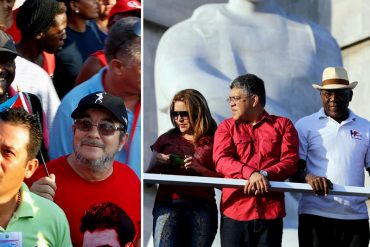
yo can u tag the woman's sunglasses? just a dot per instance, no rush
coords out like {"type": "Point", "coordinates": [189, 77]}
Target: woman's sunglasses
{"type": "Point", "coordinates": [181, 114]}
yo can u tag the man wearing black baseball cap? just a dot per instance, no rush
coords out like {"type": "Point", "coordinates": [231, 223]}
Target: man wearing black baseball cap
{"type": "Point", "coordinates": [106, 101]}
{"type": "Point", "coordinates": [122, 78]}
{"type": "Point", "coordinates": [90, 174]}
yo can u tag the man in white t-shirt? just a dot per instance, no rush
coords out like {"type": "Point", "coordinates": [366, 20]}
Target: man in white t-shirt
{"type": "Point", "coordinates": [334, 148]}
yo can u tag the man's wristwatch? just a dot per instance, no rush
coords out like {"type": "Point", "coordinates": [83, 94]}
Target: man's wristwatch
{"type": "Point", "coordinates": [264, 173]}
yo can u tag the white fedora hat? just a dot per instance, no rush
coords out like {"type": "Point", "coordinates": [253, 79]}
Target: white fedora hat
{"type": "Point", "coordinates": [335, 78]}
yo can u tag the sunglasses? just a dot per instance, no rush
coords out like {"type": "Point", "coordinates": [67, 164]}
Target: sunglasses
{"type": "Point", "coordinates": [104, 128]}
{"type": "Point", "coordinates": [181, 114]}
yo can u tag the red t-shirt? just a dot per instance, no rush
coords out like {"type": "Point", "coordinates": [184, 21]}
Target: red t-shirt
{"type": "Point", "coordinates": [75, 195]}
{"type": "Point", "coordinates": [175, 144]}
{"type": "Point", "coordinates": [49, 63]}
{"type": "Point", "coordinates": [240, 149]}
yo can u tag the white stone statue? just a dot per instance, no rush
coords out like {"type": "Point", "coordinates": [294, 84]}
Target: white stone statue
{"type": "Point", "coordinates": [221, 41]}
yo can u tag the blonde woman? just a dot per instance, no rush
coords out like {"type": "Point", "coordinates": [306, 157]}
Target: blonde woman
{"type": "Point", "coordinates": [185, 215]}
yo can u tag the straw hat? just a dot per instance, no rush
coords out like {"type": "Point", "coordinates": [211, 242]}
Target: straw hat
{"type": "Point", "coordinates": [335, 78]}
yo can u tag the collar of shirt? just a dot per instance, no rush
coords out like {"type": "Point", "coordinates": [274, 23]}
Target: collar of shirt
{"type": "Point", "coordinates": [321, 114]}
{"type": "Point", "coordinates": [265, 117]}
{"type": "Point", "coordinates": [26, 208]}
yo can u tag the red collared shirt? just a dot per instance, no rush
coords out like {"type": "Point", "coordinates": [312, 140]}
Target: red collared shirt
{"type": "Point", "coordinates": [240, 149]}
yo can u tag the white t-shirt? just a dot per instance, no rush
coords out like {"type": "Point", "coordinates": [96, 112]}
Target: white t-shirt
{"type": "Point", "coordinates": [340, 152]}
{"type": "Point", "coordinates": [31, 78]}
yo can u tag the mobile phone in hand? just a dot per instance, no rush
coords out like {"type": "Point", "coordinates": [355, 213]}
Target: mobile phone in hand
{"type": "Point", "coordinates": [177, 160]}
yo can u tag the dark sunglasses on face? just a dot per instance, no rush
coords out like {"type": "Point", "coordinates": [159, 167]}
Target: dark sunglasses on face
{"type": "Point", "coordinates": [182, 114]}
{"type": "Point", "coordinates": [104, 128]}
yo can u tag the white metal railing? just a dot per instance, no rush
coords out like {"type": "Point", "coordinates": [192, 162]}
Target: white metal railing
{"type": "Point", "coordinates": [239, 183]}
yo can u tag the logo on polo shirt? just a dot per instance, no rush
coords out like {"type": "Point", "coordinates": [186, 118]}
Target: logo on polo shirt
{"type": "Point", "coordinates": [356, 135]}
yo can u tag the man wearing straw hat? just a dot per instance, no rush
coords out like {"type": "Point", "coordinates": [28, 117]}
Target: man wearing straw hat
{"type": "Point", "coordinates": [334, 147]}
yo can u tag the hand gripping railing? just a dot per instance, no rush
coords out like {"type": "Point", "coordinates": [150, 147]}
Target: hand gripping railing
{"type": "Point", "coordinates": [239, 183]}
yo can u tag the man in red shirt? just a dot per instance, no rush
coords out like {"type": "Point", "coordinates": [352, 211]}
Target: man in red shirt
{"type": "Point", "coordinates": [258, 147]}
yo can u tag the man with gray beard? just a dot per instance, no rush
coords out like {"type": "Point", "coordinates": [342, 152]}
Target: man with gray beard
{"type": "Point", "coordinates": [90, 174]}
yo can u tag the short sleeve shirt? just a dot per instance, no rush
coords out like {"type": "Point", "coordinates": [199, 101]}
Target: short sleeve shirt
{"type": "Point", "coordinates": [340, 152]}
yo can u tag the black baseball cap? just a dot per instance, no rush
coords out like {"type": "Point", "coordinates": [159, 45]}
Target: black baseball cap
{"type": "Point", "coordinates": [7, 44]}
{"type": "Point", "coordinates": [106, 101]}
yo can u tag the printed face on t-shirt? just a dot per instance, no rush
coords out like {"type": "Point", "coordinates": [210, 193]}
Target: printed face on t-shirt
{"type": "Point", "coordinates": [101, 237]}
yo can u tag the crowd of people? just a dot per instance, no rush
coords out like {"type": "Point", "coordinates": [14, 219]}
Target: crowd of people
{"type": "Point", "coordinates": [329, 146]}
{"type": "Point", "coordinates": [70, 142]}
{"type": "Point", "coordinates": [70, 149]}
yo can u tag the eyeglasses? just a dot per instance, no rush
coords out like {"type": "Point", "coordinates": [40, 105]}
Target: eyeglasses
{"type": "Point", "coordinates": [104, 128]}
{"type": "Point", "coordinates": [235, 99]}
{"type": "Point", "coordinates": [181, 114]}
{"type": "Point", "coordinates": [338, 93]}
